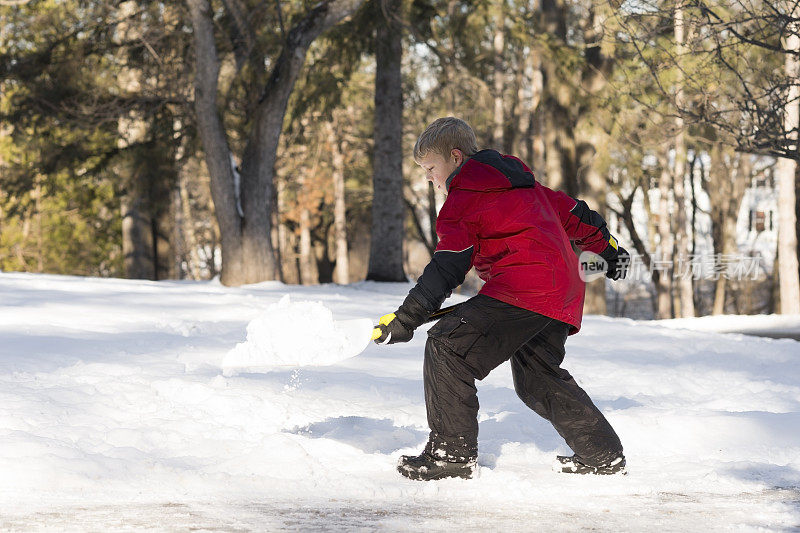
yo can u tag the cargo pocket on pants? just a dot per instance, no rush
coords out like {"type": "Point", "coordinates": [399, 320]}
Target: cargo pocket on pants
{"type": "Point", "coordinates": [467, 335]}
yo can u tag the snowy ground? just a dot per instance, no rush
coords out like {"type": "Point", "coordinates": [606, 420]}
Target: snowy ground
{"type": "Point", "coordinates": [115, 412]}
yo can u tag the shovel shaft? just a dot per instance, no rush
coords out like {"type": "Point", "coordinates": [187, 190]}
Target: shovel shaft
{"type": "Point", "coordinates": [436, 315]}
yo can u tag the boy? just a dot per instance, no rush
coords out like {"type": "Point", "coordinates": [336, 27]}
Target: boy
{"type": "Point", "coordinates": [516, 233]}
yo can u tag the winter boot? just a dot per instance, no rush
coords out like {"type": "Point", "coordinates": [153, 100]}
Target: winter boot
{"type": "Point", "coordinates": [441, 459]}
{"type": "Point", "coordinates": [574, 465]}
{"type": "Point", "coordinates": [425, 467]}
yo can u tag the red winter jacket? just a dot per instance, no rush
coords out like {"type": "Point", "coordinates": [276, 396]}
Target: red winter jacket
{"type": "Point", "coordinates": [516, 233]}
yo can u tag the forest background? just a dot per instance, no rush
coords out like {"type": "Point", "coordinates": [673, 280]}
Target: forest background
{"type": "Point", "coordinates": [271, 140]}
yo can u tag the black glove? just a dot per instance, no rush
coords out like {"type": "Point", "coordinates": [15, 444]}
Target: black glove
{"type": "Point", "coordinates": [390, 330]}
{"type": "Point", "coordinates": [400, 325]}
{"type": "Point", "coordinates": [618, 264]}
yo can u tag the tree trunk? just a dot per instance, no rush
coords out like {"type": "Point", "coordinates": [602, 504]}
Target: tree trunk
{"type": "Point", "coordinates": [785, 174]}
{"type": "Point", "coordinates": [181, 256]}
{"type": "Point", "coordinates": [559, 141]}
{"type": "Point", "coordinates": [323, 264]}
{"type": "Point", "coordinates": [725, 188]}
{"type": "Point", "coordinates": [187, 228]}
{"type": "Point", "coordinates": [37, 194]}
{"type": "Point", "coordinates": [287, 255]}
{"type": "Point", "coordinates": [639, 245]}
{"type": "Point", "coordinates": [388, 210]}
{"type": "Point", "coordinates": [787, 238]}
{"type": "Point", "coordinates": [307, 259]}
{"type": "Point", "coordinates": [162, 228]}
{"type": "Point", "coordinates": [137, 236]}
{"type": "Point", "coordinates": [553, 172]}
{"type": "Point", "coordinates": [699, 303]}
{"type": "Point", "coordinates": [797, 210]}
{"type": "Point", "coordinates": [275, 240]}
{"type": "Point", "coordinates": [682, 261]}
{"type": "Point", "coordinates": [685, 279]}
{"type": "Point", "coordinates": [215, 143]}
{"type": "Point", "coordinates": [559, 127]}
{"type": "Point", "coordinates": [137, 243]}
{"type": "Point", "coordinates": [652, 241]}
{"type": "Point", "coordinates": [592, 185]}
{"type": "Point", "coordinates": [247, 252]}
{"type": "Point", "coordinates": [521, 115]}
{"type": "Point", "coordinates": [664, 290]}
{"type": "Point", "coordinates": [498, 48]}
{"type": "Point", "coordinates": [718, 189]}
{"type": "Point", "coordinates": [593, 188]}
{"type": "Point", "coordinates": [342, 272]}
{"type": "Point", "coordinates": [535, 144]}
{"type": "Point", "coordinates": [147, 220]}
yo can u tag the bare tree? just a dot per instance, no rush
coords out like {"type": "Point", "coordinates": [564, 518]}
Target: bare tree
{"type": "Point", "coordinates": [244, 205]}
{"type": "Point", "coordinates": [736, 87]}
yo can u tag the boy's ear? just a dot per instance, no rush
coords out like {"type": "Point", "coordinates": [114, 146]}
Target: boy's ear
{"type": "Point", "coordinates": [458, 156]}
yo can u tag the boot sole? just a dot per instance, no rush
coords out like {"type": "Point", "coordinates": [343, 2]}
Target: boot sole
{"type": "Point", "coordinates": [582, 472]}
{"type": "Point", "coordinates": [463, 472]}
{"type": "Point", "coordinates": [564, 465]}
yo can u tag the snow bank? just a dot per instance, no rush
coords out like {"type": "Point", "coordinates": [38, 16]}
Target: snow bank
{"type": "Point", "coordinates": [297, 334]}
{"type": "Point", "coordinates": [762, 325]}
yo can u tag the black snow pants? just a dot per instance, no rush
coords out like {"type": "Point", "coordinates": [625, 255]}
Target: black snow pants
{"type": "Point", "coordinates": [477, 337]}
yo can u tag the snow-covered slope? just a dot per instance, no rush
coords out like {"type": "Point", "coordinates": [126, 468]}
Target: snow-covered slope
{"type": "Point", "coordinates": [115, 411]}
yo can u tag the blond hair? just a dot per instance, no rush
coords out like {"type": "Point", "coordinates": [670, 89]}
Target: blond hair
{"type": "Point", "coordinates": [443, 135]}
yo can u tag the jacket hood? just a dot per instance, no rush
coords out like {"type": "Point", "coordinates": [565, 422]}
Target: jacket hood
{"type": "Point", "coordinates": [489, 170]}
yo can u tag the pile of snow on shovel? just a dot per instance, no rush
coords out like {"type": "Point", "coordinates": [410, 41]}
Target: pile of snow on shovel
{"type": "Point", "coordinates": [291, 334]}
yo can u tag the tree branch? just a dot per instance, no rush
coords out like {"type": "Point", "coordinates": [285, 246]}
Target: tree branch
{"type": "Point", "coordinates": [241, 37]}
